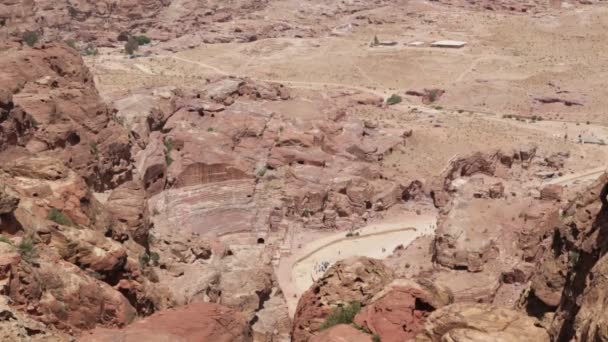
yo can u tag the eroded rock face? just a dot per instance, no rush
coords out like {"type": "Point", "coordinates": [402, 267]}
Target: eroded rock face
{"type": "Point", "coordinates": [49, 105]}
{"type": "Point", "coordinates": [354, 279]}
{"type": "Point", "coordinates": [570, 269]}
{"type": "Point", "coordinates": [398, 312]}
{"type": "Point", "coordinates": [190, 323]}
{"type": "Point", "coordinates": [16, 326]}
{"type": "Point", "coordinates": [478, 322]}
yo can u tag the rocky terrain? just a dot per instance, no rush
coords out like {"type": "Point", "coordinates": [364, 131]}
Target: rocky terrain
{"type": "Point", "coordinates": [176, 170]}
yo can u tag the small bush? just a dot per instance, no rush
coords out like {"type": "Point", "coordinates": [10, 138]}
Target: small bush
{"type": "Point", "coordinates": [131, 46]}
{"type": "Point", "coordinates": [144, 260]}
{"type": "Point", "coordinates": [30, 38]}
{"type": "Point", "coordinates": [168, 145]}
{"type": "Point", "coordinates": [27, 249]}
{"type": "Point", "coordinates": [342, 315]}
{"type": "Point", "coordinates": [4, 239]}
{"type": "Point", "coordinates": [434, 95]}
{"type": "Point", "coordinates": [90, 50]}
{"type": "Point", "coordinates": [71, 43]}
{"type": "Point", "coordinates": [148, 259]}
{"type": "Point", "coordinates": [142, 40]}
{"type": "Point", "coordinates": [349, 234]}
{"type": "Point", "coordinates": [154, 258]}
{"type": "Point", "coordinates": [573, 258]}
{"type": "Point", "coordinates": [376, 338]}
{"type": "Point", "coordinates": [261, 171]}
{"type": "Point", "coordinates": [210, 129]}
{"type": "Point", "coordinates": [93, 149]}
{"type": "Point", "coordinates": [375, 41]}
{"type": "Point", "coordinates": [168, 148]}
{"type": "Point", "coordinates": [57, 216]}
{"type": "Point", "coordinates": [393, 100]}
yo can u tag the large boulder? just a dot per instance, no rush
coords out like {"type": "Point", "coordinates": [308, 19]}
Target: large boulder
{"type": "Point", "coordinates": [356, 279]}
{"type": "Point", "coordinates": [191, 323]}
{"type": "Point", "coordinates": [399, 311]}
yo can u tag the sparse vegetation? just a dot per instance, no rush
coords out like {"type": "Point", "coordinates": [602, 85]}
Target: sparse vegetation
{"type": "Point", "coordinates": [30, 38]}
{"type": "Point", "coordinates": [154, 258]}
{"type": "Point", "coordinates": [342, 315]}
{"type": "Point", "coordinates": [573, 258]}
{"type": "Point", "coordinates": [131, 46]}
{"type": "Point", "coordinates": [90, 50]}
{"type": "Point", "coordinates": [149, 259]}
{"type": "Point", "coordinates": [434, 95]}
{"type": "Point", "coordinates": [142, 40]}
{"type": "Point", "coordinates": [59, 217]}
{"type": "Point", "coordinates": [71, 43]}
{"type": "Point", "coordinates": [94, 150]}
{"type": "Point", "coordinates": [376, 338]}
{"type": "Point", "coordinates": [168, 148]}
{"type": "Point", "coordinates": [168, 145]}
{"type": "Point", "coordinates": [393, 100]}
{"type": "Point", "coordinates": [375, 42]}
{"type": "Point", "coordinates": [438, 107]}
{"type": "Point", "coordinates": [210, 129]}
{"type": "Point", "coordinates": [4, 239]}
{"type": "Point", "coordinates": [261, 171]}
{"type": "Point", "coordinates": [27, 249]}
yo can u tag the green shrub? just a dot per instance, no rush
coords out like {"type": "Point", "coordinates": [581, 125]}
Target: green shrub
{"type": "Point", "coordinates": [71, 43]}
{"type": "Point", "coordinates": [30, 38]}
{"type": "Point", "coordinates": [168, 145]}
{"type": "Point", "coordinates": [434, 95]}
{"type": "Point", "coordinates": [131, 46]}
{"type": "Point", "coordinates": [142, 40]}
{"type": "Point", "coordinates": [342, 315]}
{"type": "Point", "coordinates": [375, 42]}
{"type": "Point", "coordinates": [261, 171]}
{"type": "Point", "coordinates": [210, 129]}
{"type": "Point", "coordinates": [57, 216]}
{"type": "Point", "coordinates": [393, 100]}
{"type": "Point", "coordinates": [4, 239]}
{"type": "Point", "coordinates": [144, 260]}
{"type": "Point", "coordinates": [154, 258]}
{"type": "Point", "coordinates": [90, 50]}
{"type": "Point", "coordinates": [93, 149]}
{"type": "Point", "coordinates": [27, 249]}
{"type": "Point", "coordinates": [168, 148]}
{"type": "Point", "coordinates": [148, 259]}
{"type": "Point", "coordinates": [573, 258]}
{"type": "Point", "coordinates": [376, 338]}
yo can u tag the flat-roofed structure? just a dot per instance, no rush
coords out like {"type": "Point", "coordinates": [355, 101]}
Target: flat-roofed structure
{"type": "Point", "coordinates": [454, 44]}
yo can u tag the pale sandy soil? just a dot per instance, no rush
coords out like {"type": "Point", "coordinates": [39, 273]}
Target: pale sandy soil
{"type": "Point", "coordinates": [297, 272]}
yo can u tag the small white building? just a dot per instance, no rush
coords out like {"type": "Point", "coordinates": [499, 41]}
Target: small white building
{"type": "Point", "coordinates": [453, 44]}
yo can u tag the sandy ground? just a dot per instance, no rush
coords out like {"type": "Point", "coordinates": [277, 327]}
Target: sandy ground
{"type": "Point", "coordinates": [297, 272]}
